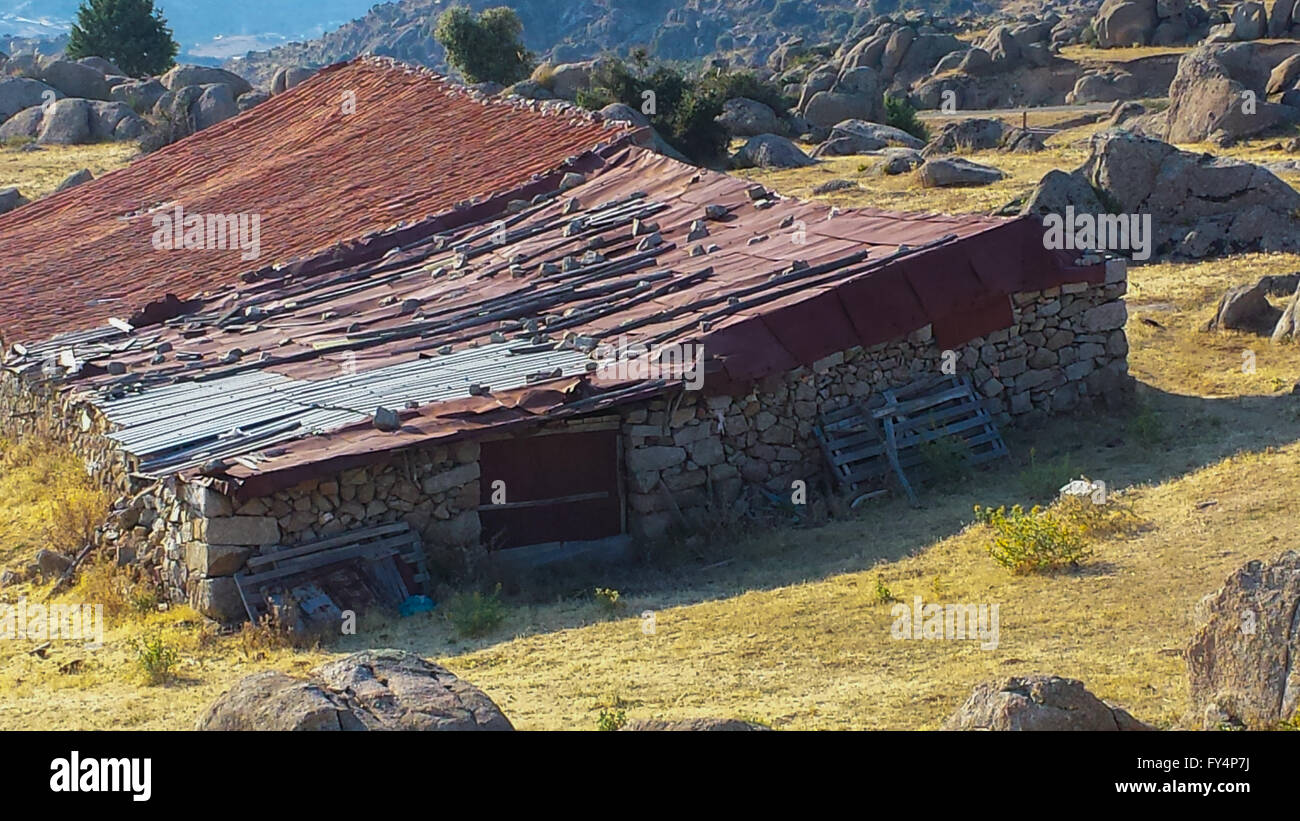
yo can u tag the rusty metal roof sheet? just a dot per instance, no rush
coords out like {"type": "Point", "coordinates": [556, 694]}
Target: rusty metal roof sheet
{"type": "Point", "coordinates": [288, 364]}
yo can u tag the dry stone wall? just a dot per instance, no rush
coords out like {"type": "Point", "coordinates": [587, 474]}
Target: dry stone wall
{"type": "Point", "coordinates": [1065, 349]}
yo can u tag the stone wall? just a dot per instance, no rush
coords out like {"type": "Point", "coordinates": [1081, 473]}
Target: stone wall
{"type": "Point", "coordinates": [199, 538]}
{"type": "Point", "coordinates": [1065, 349]}
{"type": "Point", "coordinates": [33, 409]}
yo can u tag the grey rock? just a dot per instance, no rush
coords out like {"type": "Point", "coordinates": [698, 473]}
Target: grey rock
{"type": "Point", "coordinates": [743, 117]}
{"type": "Point", "coordinates": [1039, 703]}
{"type": "Point", "coordinates": [371, 690]}
{"type": "Point", "coordinates": [74, 179]}
{"type": "Point", "coordinates": [771, 151]}
{"type": "Point", "coordinates": [252, 98]}
{"type": "Point", "coordinates": [946, 172]}
{"type": "Point", "coordinates": [286, 77]}
{"type": "Point", "coordinates": [1241, 663]}
{"type": "Point", "coordinates": [10, 199]}
{"type": "Point", "coordinates": [694, 725]}
{"type": "Point", "coordinates": [66, 122]}
{"type": "Point", "coordinates": [19, 93]}
{"type": "Point", "coordinates": [214, 105]}
{"type": "Point", "coordinates": [189, 75]}
{"type": "Point", "coordinates": [141, 95]}
{"type": "Point", "coordinates": [75, 79]}
{"type": "Point", "coordinates": [971, 134]}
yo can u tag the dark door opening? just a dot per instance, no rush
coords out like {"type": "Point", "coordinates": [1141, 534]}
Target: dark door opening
{"type": "Point", "coordinates": [550, 488]}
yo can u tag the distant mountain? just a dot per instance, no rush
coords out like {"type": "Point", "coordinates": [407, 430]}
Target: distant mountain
{"type": "Point", "coordinates": [207, 30]}
{"type": "Point", "coordinates": [565, 30]}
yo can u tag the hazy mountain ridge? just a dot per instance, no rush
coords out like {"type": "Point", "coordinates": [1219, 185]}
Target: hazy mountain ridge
{"type": "Point", "coordinates": [566, 30]}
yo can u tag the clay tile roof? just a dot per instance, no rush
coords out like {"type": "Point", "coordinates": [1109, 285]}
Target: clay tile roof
{"type": "Point", "coordinates": [314, 173]}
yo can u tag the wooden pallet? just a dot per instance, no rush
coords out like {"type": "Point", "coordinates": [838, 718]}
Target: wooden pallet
{"type": "Point", "coordinates": [378, 549]}
{"type": "Point", "coordinates": [850, 440]}
{"type": "Point", "coordinates": [931, 409]}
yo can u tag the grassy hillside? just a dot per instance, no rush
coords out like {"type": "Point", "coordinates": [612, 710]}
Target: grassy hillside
{"type": "Point", "coordinates": [788, 626]}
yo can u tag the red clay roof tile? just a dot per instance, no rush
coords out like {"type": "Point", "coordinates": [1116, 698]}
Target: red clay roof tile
{"type": "Point", "coordinates": [415, 146]}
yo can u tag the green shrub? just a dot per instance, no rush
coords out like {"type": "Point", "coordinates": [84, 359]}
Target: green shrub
{"type": "Point", "coordinates": [1042, 481]}
{"type": "Point", "coordinates": [476, 614]}
{"type": "Point", "coordinates": [900, 114]}
{"type": "Point", "coordinates": [945, 459]}
{"type": "Point", "coordinates": [1031, 541]}
{"type": "Point", "coordinates": [611, 720]}
{"type": "Point", "coordinates": [156, 659]}
{"type": "Point", "coordinates": [609, 600]}
{"type": "Point", "coordinates": [1146, 426]}
{"type": "Point", "coordinates": [883, 594]}
{"type": "Point", "coordinates": [487, 47]}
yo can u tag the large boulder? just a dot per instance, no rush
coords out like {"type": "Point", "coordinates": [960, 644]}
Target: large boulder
{"type": "Point", "coordinates": [743, 117]}
{"type": "Point", "coordinates": [1199, 204]}
{"type": "Point", "coordinates": [18, 93]}
{"type": "Point", "coordinates": [104, 67]}
{"type": "Point", "coordinates": [1282, 18]}
{"type": "Point", "coordinates": [1245, 308]}
{"type": "Point", "coordinates": [971, 134]}
{"type": "Point", "coordinates": [181, 76]}
{"type": "Point", "coordinates": [856, 94]}
{"type": "Point", "coordinates": [75, 79]}
{"type": "Point", "coordinates": [694, 725]}
{"type": "Point", "coordinates": [860, 137]}
{"type": "Point", "coordinates": [771, 151]}
{"type": "Point", "coordinates": [948, 172]}
{"type": "Point", "coordinates": [1284, 76]}
{"type": "Point", "coordinates": [215, 104]}
{"type": "Point", "coordinates": [1058, 190]}
{"type": "Point", "coordinates": [67, 122]}
{"type": "Point", "coordinates": [371, 690]}
{"type": "Point", "coordinates": [1039, 703]}
{"type": "Point", "coordinates": [24, 125]}
{"type": "Point", "coordinates": [1125, 23]}
{"type": "Point", "coordinates": [1242, 662]}
{"type": "Point", "coordinates": [1218, 93]}
{"type": "Point", "coordinates": [286, 77]}
{"type": "Point", "coordinates": [1249, 20]}
{"type": "Point", "coordinates": [567, 79]}
{"type": "Point", "coordinates": [141, 95]}
{"type": "Point", "coordinates": [10, 199]}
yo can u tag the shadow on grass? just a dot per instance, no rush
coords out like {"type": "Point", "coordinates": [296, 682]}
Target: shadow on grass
{"type": "Point", "coordinates": [1163, 437]}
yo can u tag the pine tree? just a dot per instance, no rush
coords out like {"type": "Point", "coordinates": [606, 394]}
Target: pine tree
{"type": "Point", "coordinates": [129, 33]}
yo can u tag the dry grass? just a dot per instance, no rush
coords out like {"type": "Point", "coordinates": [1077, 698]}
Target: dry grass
{"type": "Point", "coordinates": [791, 631]}
{"type": "Point", "coordinates": [903, 192]}
{"type": "Point", "coordinates": [37, 173]}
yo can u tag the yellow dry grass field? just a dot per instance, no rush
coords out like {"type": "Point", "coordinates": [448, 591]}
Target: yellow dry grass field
{"type": "Point", "coordinates": [37, 173]}
{"type": "Point", "coordinates": [790, 627]}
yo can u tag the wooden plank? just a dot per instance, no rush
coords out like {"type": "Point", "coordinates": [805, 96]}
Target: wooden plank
{"type": "Point", "coordinates": [909, 407]}
{"type": "Point", "coordinates": [322, 559]}
{"type": "Point", "coordinates": [350, 537]}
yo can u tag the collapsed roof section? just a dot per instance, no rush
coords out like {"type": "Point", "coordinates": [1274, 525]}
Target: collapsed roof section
{"type": "Point", "coordinates": [498, 320]}
{"type": "Point", "coordinates": [359, 148]}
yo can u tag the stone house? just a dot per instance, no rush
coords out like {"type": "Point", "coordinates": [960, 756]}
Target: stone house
{"type": "Point", "coordinates": [578, 355]}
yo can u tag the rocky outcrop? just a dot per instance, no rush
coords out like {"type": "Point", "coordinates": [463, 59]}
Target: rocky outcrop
{"type": "Point", "coordinates": [1120, 23]}
{"type": "Point", "coordinates": [829, 98]}
{"type": "Point", "coordinates": [948, 172]}
{"type": "Point", "coordinates": [184, 75]}
{"type": "Point", "coordinates": [1199, 204]}
{"type": "Point", "coordinates": [1243, 664]}
{"type": "Point", "coordinates": [10, 198]}
{"type": "Point", "coordinates": [72, 121]}
{"type": "Point", "coordinates": [1039, 703]}
{"type": "Point", "coordinates": [972, 134]}
{"type": "Point", "coordinates": [1245, 308]}
{"type": "Point", "coordinates": [371, 690]}
{"type": "Point", "coordinates": [18, 93]}
{"type": "Point", "coordinates": [694, 725]}
{"type": "Point", "coordinates": [75, 79]}
{"type": "Point", "coordinates": [1219, 93]}
{"type": "Point", "coordinates": [861, 137]}
{"type": "Point", "coordinates": [743, 117]}
{"type": "Point", "coordinates": [770, 151]}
